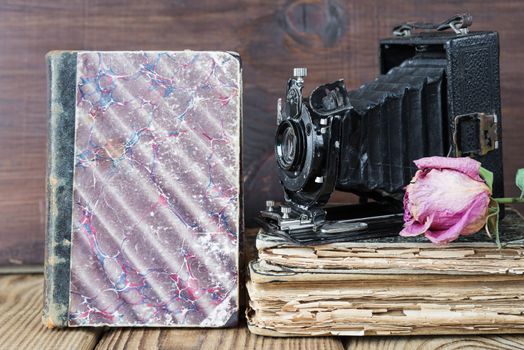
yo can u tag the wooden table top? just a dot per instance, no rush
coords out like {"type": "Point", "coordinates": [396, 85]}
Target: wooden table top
{"type": "Point", "coordinates": [21, 328]}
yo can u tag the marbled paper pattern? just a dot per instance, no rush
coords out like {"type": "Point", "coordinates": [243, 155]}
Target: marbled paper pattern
{"type": "Point", "coordinates": [156, 189]}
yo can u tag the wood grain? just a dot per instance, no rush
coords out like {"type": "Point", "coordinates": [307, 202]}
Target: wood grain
{"type": "Point", "coordinates": [333, 38]}
{"type": "Point", "coordinates": [208, 339]}
{"type": "Point", "coordinates": [434, 343]}
{"type": "Point", "coordinates": [20, 319]}
{"type": "Point", "coordinates": [20, 328]}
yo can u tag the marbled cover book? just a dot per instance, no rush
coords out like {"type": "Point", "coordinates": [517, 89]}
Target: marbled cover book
{"type": "Point", "coordinates": [147, 149]}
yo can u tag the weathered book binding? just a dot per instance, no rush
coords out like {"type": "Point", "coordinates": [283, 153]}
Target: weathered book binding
{"type": "Point", "coordinates": [60, 161]}
{"type": "Point", "coordinates": [392, 286]}
{"type": "Point", "coordinates": [144, 189]}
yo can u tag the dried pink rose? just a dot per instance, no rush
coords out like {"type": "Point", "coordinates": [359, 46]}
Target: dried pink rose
{"type": "Point", "coordinates": [445, 199]}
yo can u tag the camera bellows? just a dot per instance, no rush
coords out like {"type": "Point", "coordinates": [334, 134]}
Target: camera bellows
{"type": "Point", "coordinates": [395, 119]}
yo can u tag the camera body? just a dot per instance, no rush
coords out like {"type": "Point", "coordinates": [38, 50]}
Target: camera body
{"type": "Point", "coordinates": [437, 94]}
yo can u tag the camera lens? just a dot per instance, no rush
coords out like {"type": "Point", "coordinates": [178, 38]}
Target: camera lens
{"type": "Point", "coordinates": [288, 145]}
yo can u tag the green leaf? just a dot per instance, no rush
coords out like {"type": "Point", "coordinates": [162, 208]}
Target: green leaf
{"type": "Point", "coordinates": [487, 176]}
{"type": "Point", "coordinates": [492, 222]}
{"type": "Point", "coordinates": [519, 180]}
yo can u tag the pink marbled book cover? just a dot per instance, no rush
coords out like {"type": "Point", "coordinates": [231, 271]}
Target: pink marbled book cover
{"type": "Point", "coordinates": [156, 189]}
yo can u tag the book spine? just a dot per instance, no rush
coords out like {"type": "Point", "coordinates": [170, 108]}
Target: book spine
{"type": "Point", "coordinates": [60, 164]}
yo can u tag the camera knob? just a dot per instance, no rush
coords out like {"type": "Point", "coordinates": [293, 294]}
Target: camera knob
{"type": "Point", "coordinates": [300, 73]}
{"type": "Point", "coordinates": [285, 212]}
{"type": "Point", "coordinates": [270, 205]}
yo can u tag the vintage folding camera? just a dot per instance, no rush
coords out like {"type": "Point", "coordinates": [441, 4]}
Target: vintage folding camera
{"type": "Point", "coordinates": [437, 95]}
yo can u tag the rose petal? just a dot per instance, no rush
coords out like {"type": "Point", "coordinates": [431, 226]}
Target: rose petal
{"type": "Point", "coordinates": [479, 211]}
{"type": "Point", "coordinates": [465, 165]}
{"type": "Point", "coordinates": [415, 228]}
{"type": "Point", "coordinates": [452, 233]}
{"type": "Point", "coordinates": [445, 194]}
{"type": "Point", "coordinates": [407, 210]}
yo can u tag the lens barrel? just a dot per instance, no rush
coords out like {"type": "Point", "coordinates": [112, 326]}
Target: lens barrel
{"type": "Point", "coordinates": [289, 145]}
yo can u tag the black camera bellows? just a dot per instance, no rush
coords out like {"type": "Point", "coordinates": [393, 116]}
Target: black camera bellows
{"type": "Point", "coordinates": [395, 119]}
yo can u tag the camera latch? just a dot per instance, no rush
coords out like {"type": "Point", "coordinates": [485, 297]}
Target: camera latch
{"type": "Point", "coordinates": [475, 134]}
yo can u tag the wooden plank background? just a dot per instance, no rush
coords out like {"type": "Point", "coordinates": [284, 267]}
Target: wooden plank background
{"type": "Point", "coordinates": [333, 38]}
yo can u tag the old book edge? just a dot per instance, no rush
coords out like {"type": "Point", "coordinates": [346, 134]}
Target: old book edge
{"type": "Point", "coordinates": [61, 80]}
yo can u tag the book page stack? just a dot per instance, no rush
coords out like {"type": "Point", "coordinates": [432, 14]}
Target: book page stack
{"type": "Point", "coordinates": [393, 286]}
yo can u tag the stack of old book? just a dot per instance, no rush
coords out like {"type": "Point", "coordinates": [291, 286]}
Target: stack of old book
{"type": "Point", "coordinates": [389, 286]}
